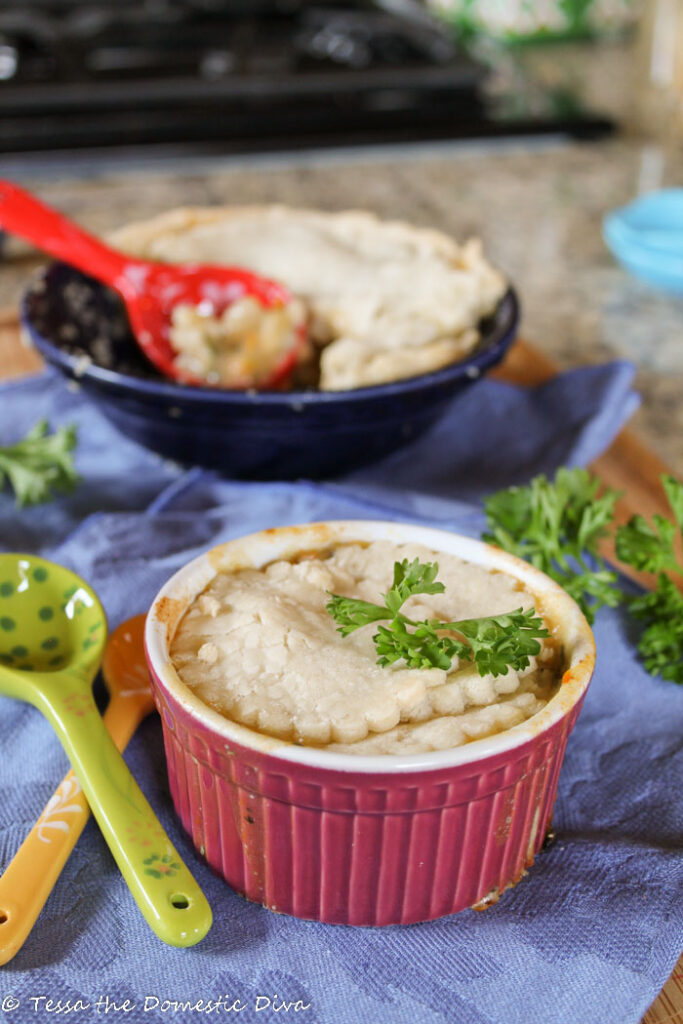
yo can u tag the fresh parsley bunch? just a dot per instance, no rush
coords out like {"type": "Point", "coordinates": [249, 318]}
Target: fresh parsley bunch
{"type": "Point", "coordinates": [651, 548]}
{"type": "Point", "coordinates": [494, 643]}
{"type": "Point", "coordinates": [557, 526]}
{"type": "Point", "coordinates": [39, 464]}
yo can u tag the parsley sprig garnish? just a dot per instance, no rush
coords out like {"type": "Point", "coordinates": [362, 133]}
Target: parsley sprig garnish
{"type": "Point", "coordinates": [39, 464]}
{"type": "Point", "coordinates": [494, 643]}
{"type": "Point", "coordinates": [557, 526]}
{"type": "Point", "coordinates": [650, 547]}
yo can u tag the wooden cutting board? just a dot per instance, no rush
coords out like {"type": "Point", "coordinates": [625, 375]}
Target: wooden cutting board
{"type": "Point", "coordinates": [628, 466]}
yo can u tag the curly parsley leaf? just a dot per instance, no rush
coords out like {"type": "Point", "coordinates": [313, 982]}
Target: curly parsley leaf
{"type": "Point", "coordinates": [557, 526]}
{"type": "Point", "coordinates": [40, 464]}
{"type": "Point", "coordinates": [422, 648]}
{"type": "Point", "coordinates": [501, 641]}
{"type": "Point", "coordinates": [352, 614]}
{"type": "Point", "coordinates": [674, 492]}
{"type": "Point", "coordinates": [647, 547]}
{"type": "Point", "coordinates": [412, 578]}
{"type": "Point", "coordinates": [494, 643]}
{"type": "Point", "coordinates": [661, 643]}
{"type": "Point", "coordinates": [651, 547]}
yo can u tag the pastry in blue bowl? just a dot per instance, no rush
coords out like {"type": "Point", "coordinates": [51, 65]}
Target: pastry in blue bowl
{"type": "Point", "coordinates": [399, 321]}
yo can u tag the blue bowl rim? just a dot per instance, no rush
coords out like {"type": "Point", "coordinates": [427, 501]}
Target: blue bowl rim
{"type": "Point", "coordinates": [631, 247]}
{"type": "Point", "coordinates": [629, 214]}
{"type": "Point", "coordinates": [487, 355]}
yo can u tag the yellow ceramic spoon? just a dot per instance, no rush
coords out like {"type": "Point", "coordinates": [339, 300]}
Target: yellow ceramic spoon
{"type": "Point", "coordinates": [31, 877]}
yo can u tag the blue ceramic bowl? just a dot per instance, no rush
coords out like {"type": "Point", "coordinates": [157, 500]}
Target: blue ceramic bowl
{"type": "Point", "coordinates": [81, 328]}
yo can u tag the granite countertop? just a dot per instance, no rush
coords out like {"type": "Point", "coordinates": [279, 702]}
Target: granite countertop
{"type": "Point", "coordinates": [537, 207]}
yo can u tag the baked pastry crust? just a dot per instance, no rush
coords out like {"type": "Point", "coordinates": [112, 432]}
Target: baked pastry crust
{"type": "Point", "coordinates": [259, 647]}
{"type": "Point", "coordinates": [387, 300]}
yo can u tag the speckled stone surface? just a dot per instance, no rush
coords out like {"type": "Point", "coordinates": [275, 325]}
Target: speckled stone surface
{"type": "Point", "coordinates": [538, 209]}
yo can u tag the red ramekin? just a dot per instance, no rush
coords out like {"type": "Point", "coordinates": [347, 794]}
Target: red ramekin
{"type": "Point", "coordinates": [364, 840]}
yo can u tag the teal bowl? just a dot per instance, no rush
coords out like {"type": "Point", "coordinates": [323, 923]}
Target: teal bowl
{"type": "Point", "coordinates": [646, 237]}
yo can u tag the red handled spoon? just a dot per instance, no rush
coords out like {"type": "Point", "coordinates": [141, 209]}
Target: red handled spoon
{"type": "Point", "coordinates": [150, 290]}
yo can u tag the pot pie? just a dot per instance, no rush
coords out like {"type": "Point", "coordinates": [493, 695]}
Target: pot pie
{"type": "Point", "coordinates": [384, 300]}
{"type": "Point", "coordinates": [259, 647]}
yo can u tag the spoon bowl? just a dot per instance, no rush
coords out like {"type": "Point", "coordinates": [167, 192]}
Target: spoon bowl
{"type": "Point", "coordinates": [150, 290]}
{"type": "Point", "coordinates": [52, 634]}
{"type": "Point", "coordinates": [125, 672]}
{"type": "Point", "coordinates": [49, 620]}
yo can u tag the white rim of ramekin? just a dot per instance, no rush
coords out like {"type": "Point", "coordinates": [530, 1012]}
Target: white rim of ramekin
{"type": "Point", "coordinates": [258, 549]}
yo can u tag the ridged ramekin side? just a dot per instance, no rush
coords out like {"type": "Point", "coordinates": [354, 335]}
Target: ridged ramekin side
{"type": "Point", "coordinates": [357, 847]}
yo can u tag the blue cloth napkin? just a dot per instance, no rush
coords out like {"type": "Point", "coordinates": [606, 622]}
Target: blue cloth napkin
{"type": "Point", "coordinates": [591, 934]}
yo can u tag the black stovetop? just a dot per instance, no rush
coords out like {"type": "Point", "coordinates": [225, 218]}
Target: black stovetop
{"type": "Point", "coordinates": [241, 75]}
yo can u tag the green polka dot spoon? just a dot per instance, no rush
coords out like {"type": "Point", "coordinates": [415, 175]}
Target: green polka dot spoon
{"type": "Point", "coordinates": [52, 636]}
